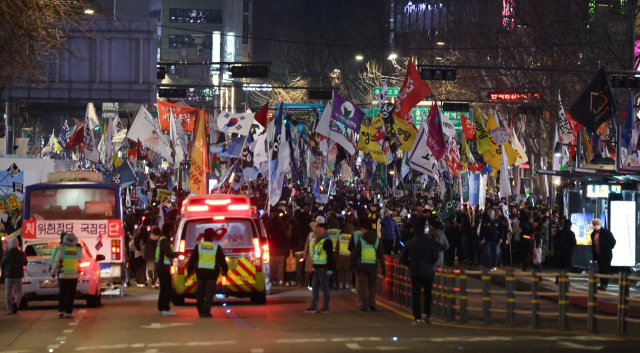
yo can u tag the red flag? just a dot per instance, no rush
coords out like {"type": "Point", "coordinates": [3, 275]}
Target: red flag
{"type": "Point", "coordinates": [435, 137]}
{"type": "Point", "coordinates": [469, 128]}
{"type": "Point", "coordinates": [575, 127]}
{"type": "Point", "coordinates": [132, 151]}
{"type": "Point", "coordinates": [77, 138]}
{"type": "Point", "coordinates": [261, 116]}
{"type": "Point", "coordinates": [413, 90]}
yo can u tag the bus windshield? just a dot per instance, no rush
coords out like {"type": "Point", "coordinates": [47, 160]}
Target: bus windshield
{"type": "Point", "coordinates": [79, 203]}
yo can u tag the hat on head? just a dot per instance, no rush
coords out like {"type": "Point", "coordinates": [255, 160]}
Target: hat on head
{"type": "Point", "coordinates": [320, 219]}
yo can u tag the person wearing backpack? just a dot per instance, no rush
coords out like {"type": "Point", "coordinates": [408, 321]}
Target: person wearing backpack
{"type": "Point", "coordinates": [367, 254]}
{"type": "Point", "coordinates": [420, 254]}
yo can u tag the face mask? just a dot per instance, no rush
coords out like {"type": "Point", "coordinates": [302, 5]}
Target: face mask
{"type": "Point", "coordinates": [596, 227]}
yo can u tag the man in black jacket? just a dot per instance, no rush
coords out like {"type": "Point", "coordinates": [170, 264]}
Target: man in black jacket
{"type": "Point", "coordinates": [13, 263]}
{"type": "Point", "coordinates": [207, 265]}
{"type": "Point", "coordinates": [420, 249]}
{"type": "Point", "coordinates": [163, 258]}
{"type": "Point", "coordinates": [492, 232]}
{"type": "Point", "coordinates": [367, 254]}
{"type": "Point", "coordinates": [603, 243]}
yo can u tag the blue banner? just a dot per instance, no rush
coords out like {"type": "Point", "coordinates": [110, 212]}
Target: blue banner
{"type": "Point", "coordinates": [474, 189]}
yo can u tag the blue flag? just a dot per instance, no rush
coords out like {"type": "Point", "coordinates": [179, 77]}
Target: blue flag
{"type": "Point", "coordinates": [122, 175]}
{"type": "Point", "coordinates": [319, 195]}
{"type": "Point", "coordinates": [626, 130]}
{"type": "Point", "coordinates": [63, 138]}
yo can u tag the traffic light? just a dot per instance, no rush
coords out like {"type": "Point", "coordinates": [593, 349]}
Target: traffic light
{"type": "Point", "coordinates": [250, 71]}
{"type": "Point", "coordinates": [438, 74]}
{"type": "Point", "coordinates": [455, 107]}
{"type": "Point", "coordinates": [320, 94]}
{"type": "Point", "coordinates": [172, 93]}
{"type": "Point", "coordinates": [625, 82]}
{"type": "Point", "coordinates": [530, 110]}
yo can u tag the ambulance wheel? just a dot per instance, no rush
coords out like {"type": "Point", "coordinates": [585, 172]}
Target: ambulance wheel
{"type": "Point", "coordinates": [176, 299]}
{"type": "Point", "coordinates": [259, 298]}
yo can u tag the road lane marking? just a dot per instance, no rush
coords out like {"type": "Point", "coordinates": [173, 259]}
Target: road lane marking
{"type": "Point", "coordinates": [61, 338]}
{"type": "Point", "coordinates": [53, 346]}
{"type": "Point", "coordinates": [301, 340]}
{"type": "Point", "coordinates": [154, 345]}
{"type": "Point", "coordinates": [571, 345]}
{"type": "Point", "coordinates": [257, 350]}
{"type": "Point", "coordinates": [158, 325]}
{"type": "Point", "coordinates": [67, 331]}
{"type": "Point", "coordinates": [356, 347]}
{"type": "Point", "coordinates": [73, 323]}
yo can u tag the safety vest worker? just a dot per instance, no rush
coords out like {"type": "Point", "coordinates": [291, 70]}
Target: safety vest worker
{"type": "Point", "coordinates": [333, 235]}
{"type": "Point", "coordinates": [165, 259]}
{"type": "Point", "coordinates": [319, 254]}
{"type": "Point", "coordinates": [368, 255]}
{"type": "Point", "coordinates": [344, 240]}
{"type": "Point", "coordinates": [207, 251]}
{"type": "Point", "coordinates": [71, 260]}
{"type": "Point", "coordinates": [312, 239]}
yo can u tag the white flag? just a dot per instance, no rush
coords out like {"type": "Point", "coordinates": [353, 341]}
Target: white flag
{"type": "Point", "coordinates": [49, 147]}
{"type": "Point", "coordinates": [447, 127]}
{"type": "Point", "coordinates": [420, 156]}
{"type": "Point", "coordinates": [178, 139]}
{"type": "Point", "coordinates": [564, 129]}
{"type": "Point", "coordinates": [260, 150]}
{"type": "Point", "coordinates": [146, 130]}
{"type": "Point", "coordinates": [128, 198]}
{"type": "Point", "coordinates": [91, 117]}
{"type": "Point", "coordinates": [90, 149]}
{"type": "Point", "coordinates": [505, 185]}
{"type": "Point", "coordinates": [237, 123]}
{"type": "Point", "coordinates": [382, 97]}
{"type": "Point", "coordinates": [108, 151]}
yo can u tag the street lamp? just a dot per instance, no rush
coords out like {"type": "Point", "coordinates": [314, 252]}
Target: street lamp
{"type": "Point", "coordinates": [359, 57]}
{"type": "Point", "coordinates": [440, 43]}
{"type": "Point", "coordinates": [89, 11]}
{"type": "Point", "coordinates": [392, 172]}
{"type": "Point", "coordinates": [393, 56]}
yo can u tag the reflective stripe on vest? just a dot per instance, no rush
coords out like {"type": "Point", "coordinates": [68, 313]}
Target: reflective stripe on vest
{"type": "Point", "coordinates": [166, 260]}
{"type": "Point", "coordinates": [207, 255]}
{"type": "Point", "coordinates": [312, 241]}
{"type": "Point", "coordinates": [333, 235]}
{"type": "Point", "coordinates": [368, 255]}
{"type": "Point", "coordinates": [319, 255]}
{"type": "Point", "coordinates": [344, 244]}
{"type": "Point", "coordinates": [71, 260]}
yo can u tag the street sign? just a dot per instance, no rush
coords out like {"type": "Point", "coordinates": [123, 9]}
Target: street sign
{"type": "Point", "coordinates": [391, 91]}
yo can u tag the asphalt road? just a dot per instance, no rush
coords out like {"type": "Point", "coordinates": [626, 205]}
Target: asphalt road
{"type": "Point", "coordinates": [130, 324]}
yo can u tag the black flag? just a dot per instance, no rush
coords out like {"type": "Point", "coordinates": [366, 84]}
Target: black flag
{"type": "Point", "coordinates": [596, 105]}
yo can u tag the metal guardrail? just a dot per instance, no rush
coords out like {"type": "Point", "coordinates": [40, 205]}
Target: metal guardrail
{"type": "Point", "coordinates": [450, 296]}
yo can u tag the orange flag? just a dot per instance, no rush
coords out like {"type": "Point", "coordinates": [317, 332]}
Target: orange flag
{"type": "Point", "coordinates": [199, 163]}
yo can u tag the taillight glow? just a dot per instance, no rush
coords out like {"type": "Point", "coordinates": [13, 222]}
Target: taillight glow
{"type": "Point", "coordinates": [198, 208]}
{"type": "Point", "coordinates": [85, 264]}
{"type": "Point", "coordinates": [115, 249]}
{"type": "Point", "coordinates": [218, 218]}
{"type": "Point", "coordinates": [238, 207]}
{"type": "Point", "coordinates": [256, 254]}
{"type": "Point", "coordinates": [218, 202]}
{"type": "Point", "coordinates": [182, 245]}
{"type": "Point", "coordinates": [265, 254]}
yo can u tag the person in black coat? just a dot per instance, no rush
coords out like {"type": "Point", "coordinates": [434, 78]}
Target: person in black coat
{"type": "Point", "coordinates": [603, 243]}
{"type": "Point", "coordinates": [420, 248]}
{"type": "Point", "coordinates": [563, 244]}
{"type": "Point", "coordinates": [206, 277]}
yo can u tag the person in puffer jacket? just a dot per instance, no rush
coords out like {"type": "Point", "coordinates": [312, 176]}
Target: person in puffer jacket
{"type": "Point", "coordinates": [66, 267]}
{"type": "Point", "coordinates": [389, 232]}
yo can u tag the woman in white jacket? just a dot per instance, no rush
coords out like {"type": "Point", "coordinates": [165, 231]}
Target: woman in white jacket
{"type": "Point", "coordinates": [67, 267]}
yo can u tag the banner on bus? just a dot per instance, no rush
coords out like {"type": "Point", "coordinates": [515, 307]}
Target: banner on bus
{"type": "Point", "coordinates": [36, 229]}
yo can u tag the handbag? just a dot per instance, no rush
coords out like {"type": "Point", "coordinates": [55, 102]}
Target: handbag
{"type": "Point", "coordinates": [537, 254]}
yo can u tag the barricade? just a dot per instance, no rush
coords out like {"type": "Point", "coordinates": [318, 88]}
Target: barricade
{"type": "Point", "coordinates": [451, 292]}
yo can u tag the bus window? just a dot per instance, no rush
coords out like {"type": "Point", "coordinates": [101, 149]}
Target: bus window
{"type": "Point", "coordinates": [72, 203]}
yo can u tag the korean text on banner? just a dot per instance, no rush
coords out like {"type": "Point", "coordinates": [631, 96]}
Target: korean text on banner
{"type": "Point", "coordinates": [39, 229]}
{"type": "Point", "coordinates": [187, 115]}
{"type": "Point", "coordinates": [197, 172]}
{"type": "Point", "coordinates": [413, 90]}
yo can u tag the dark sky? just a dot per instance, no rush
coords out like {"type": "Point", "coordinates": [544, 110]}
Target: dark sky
{"type": "Point", "coordinates": [127, 9]}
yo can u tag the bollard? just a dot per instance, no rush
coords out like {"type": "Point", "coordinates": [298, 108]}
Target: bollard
{"type": "Point", "coordinates": [592, 322]}
{"type": "Point", "coordinates": [563, 299]}
{"type": "Point", "coordinates": [388, 281]}
{"type": "Point", "coordinates": [511, 298]}
{"type": "Point", "coordinates": [407, 276]}
{"type": "Point", "coordinates": [452, 295]}
{"type": "Point", "coordinates": [535, 301]}
{"type": "Point", "coordinates": [464, 314]}
{"type": "Point", "coordinates": [623, 303]}
{"type": "Point", "coordinates": [445, 292]}
{"type": "Point", "coordinates": [486, 298]}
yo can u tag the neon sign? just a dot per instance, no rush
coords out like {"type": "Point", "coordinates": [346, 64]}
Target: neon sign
{"type": "Point", "coordinates": [497, 96]}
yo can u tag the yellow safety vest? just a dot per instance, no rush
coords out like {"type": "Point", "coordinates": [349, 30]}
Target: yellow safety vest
{"type": "Point", "coordinates": [344, 243]}
{"type": "Point", "coordinates": [71, 260]}
{"type": "Point", "coordinates": [374, 216]}
{"type": "Point", "coordinates": [319, 255]}
{"type": "Point", "coordinates": [207, 251]}
{"type": "Point", "coordinates": [333, 235]}
{"type": "Point", "coordinates": [166, 260]}
{"type": "Point", "coordinates": [368, 254]}
{"type": "Point", "coordinates": [312, 240]}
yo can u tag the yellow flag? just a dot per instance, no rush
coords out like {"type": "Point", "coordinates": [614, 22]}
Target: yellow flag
{"type": "Point", "coordinates": [482, 136]}
{"type": "Point", "coordinates": [587, 146]}
{"type": "Point", "coordinates": [56, 146]}
{"type": "Point", "coordinates": [493, 154]}
{"type": "Point", "coordinates": [116, 161]}
{"type": "Point", "coordinates": [197, 177]}
{"type": "Point", "coordinates": [406, 133]}
{"type": "Point", "coordinates": [465, 156]}
{"type": "Point", "coordinates": [512, 155]}
{"type": "Point", "coordinates": [369, 144]}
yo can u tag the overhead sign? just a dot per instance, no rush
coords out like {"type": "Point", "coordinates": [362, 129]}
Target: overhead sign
{"type": "Point", "coordinates": [257, 87]}
{"type": "Point", "coordinates": [391, 92]}
{"type": "Point", "coordinates": [506, 96]}
{"type": "Point", "coordinates": [602, 190]}
{"type": "Point", "coordinates": [623, 228]}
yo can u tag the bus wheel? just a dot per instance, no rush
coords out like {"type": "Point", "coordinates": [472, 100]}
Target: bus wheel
{"type": "Point", "coordinates": [259, 298]}
{"type": "Point", "coordinates": [176, 299]}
